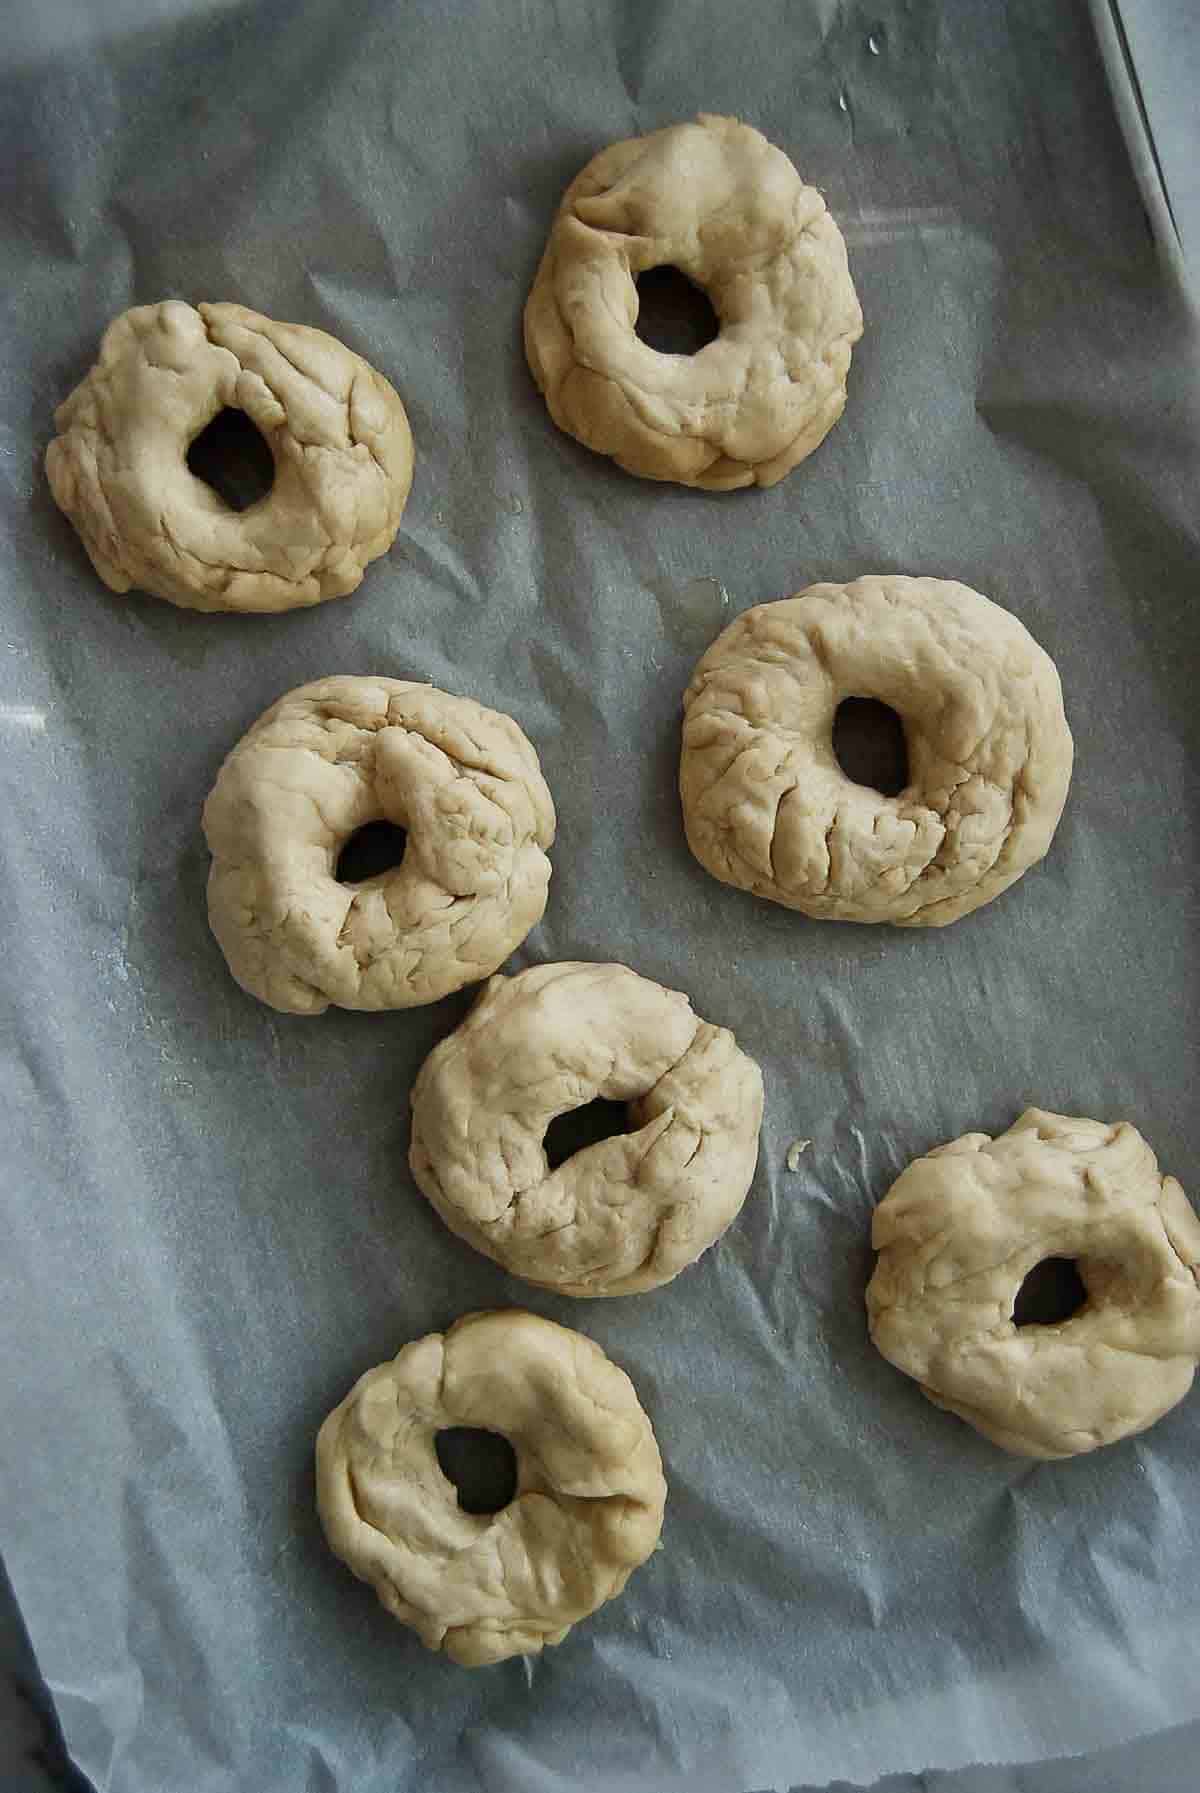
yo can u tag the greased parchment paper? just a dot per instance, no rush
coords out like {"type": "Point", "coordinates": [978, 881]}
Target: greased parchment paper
{"type": "Point", "coordinates": [209, 1228]}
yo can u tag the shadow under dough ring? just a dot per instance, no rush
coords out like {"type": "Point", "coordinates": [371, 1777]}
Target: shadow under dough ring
{"type": "Point", "coordinates": [589, 1500]}
{"type": "Point", "coordinates": [325, 761]}
{"type": "Point", "coordinates": [337, 432]}
{"type": "Point", "coordinates": [718, 202]}
{"type": "Point", "coordinates": [622, 1215]}
{"type": "Point", "coordinates": [767, 807]}
{"type": "Point", "coordinates": [961, 1229]}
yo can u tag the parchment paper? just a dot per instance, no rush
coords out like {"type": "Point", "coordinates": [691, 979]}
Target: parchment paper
{"type": "Point", "coordinates": [209, 1229]}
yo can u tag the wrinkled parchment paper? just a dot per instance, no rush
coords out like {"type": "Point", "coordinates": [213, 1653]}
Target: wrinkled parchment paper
{"type": "Point", "coordinates": [209, 1229]}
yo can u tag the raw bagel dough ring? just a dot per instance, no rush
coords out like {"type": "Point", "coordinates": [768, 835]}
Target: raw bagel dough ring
{"type": "Point", "coordinates": [590, 1490]}
{"type": "Point", "coordinates": [622, 1215]}
{"type": "Point", "coordinates": [320, 764]}
{"type": "Point", "coordinates": [337, 432]}
{"type": "Point", "coordinates": [717, 201]}
{"type": "Point", "coordinates": [767, 807]}
{"type": "Point", "coordinates": [960, 1230]}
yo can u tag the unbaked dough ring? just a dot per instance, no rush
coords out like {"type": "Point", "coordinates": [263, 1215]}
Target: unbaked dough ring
{"type": "Point", "coordinates": [620, 1216]}
{"type": "Point", "coordinates": [590, 1490]}
{"type": "Point", "coordinates": [337, 432]}
{"type": "Point", "coordinates": [767, 807]}
{"type": "Point", "coordinates": [717, 201]}
{"type": "Point", "coordinates": [322, 763]}
{"type": "Point", "coordinates": [960, 1230]}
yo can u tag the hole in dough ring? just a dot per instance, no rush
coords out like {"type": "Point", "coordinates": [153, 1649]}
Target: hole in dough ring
{"type": "Point", "coordinates": [337, 432]}
{"type": "Point", "coordinates": [767, 807]}
{"type": "Point", "coordinates": [590, 1489]}
{"type": "Point", "coordinates": [960, 1230]}
{"type": "Point", "coordinates": [620, 1216]}
{"type": "Point", "coordinates": [461, 780]}
{"type": "Point", "coordinates": [719, 203]}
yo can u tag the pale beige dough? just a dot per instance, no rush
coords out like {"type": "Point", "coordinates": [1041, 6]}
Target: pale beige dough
{"type": "Point", "coordinates": [337, 432]}
{"type": "Point", "coordinates": [590, 1489]}
{"type": "Point", "coordinates": [620, 1216]}
{"type": "Point", "coordinates": [320, 764]}
{"type": "Point", "coordinates": [717, 201]}
{"type": "Point", "coordinates": [960, 1230]}
{"type": "Point", "coordinates": [767, 807]}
